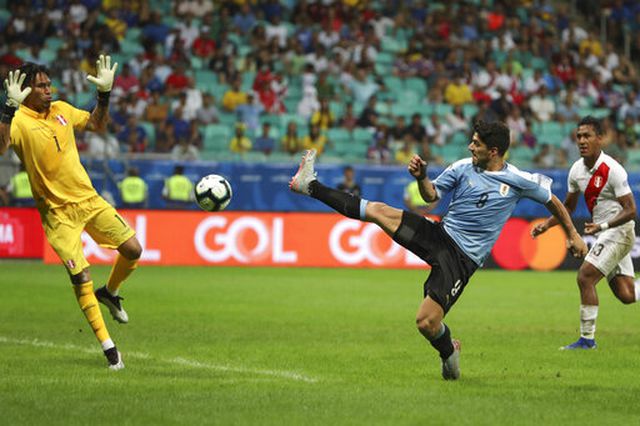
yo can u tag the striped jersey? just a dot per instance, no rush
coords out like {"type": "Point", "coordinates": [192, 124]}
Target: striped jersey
{"type": "Point", "coordinates": [602, 185]}
{"type": "Point", "coordinates": [482, 201]}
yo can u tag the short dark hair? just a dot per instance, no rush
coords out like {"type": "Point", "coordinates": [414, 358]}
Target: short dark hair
{"type": "Point", "coordinates": [178, 170]}
{"type": "Point", "coordinates": [594, 122]}
{"type": "Point", "coordinates": [494, 134]}
{"type": "Point", "coordinates": [31, 70]}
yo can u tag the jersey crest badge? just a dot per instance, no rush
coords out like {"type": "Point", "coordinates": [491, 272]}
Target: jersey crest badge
{"type": "Point", "coordinates": [504, 189]}
{"type": "Point", "coordinates": [61, 119]}
{"type": "Point", "coordinates": [597, 182]}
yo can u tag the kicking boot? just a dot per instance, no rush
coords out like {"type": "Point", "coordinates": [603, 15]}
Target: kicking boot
{"type": "Point", "coordinates": [113, 303]}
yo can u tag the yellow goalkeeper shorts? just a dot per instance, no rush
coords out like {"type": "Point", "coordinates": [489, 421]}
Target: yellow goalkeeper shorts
{"type": "Point", "coordinates": [63, 227]}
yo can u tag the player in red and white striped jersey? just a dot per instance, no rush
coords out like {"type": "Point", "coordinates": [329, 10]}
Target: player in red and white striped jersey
{"type": "Point", "coordinates": [613, 210]}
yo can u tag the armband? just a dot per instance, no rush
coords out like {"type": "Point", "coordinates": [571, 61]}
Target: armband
{"type": "Point", "coordinates": [103, 98]}
{"type": "Point", "coordinates": [7, 114]}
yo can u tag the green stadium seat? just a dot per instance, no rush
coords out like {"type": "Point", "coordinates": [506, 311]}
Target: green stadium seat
{"type": "Point", "coordinates": [54, 43]}
{"type": "Point", "coordinates": [417, 85]}
{"type": "Point", "coordinates": [361, 135]}
{"type": "Point", "coordinates": [216, 136]}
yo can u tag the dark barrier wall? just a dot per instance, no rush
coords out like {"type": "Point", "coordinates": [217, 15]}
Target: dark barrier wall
{"type": "Point", "coordinates": [263, 187]}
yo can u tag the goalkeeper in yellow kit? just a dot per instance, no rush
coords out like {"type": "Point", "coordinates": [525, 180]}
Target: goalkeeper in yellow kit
{"type": "Point", "coordinates": [41, 132]}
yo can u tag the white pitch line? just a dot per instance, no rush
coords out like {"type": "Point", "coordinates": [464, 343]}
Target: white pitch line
{"type": "Point", "coordinates": [290, 375]}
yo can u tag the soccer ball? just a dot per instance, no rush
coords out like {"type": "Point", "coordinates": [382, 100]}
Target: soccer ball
{"type": "Point", "coordinates": [213, 193]}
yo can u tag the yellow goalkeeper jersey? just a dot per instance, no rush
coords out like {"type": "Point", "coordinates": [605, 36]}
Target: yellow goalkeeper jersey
{"type": "Point", "coordinates": [46, 145]}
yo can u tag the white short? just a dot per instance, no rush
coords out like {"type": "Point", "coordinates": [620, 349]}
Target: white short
{"type": "Point", "coordinates": [611, 253]}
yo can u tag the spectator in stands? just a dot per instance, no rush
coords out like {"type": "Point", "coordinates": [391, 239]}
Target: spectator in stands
{"type": "Point", "coordinates": [19, 189]}
{"type": "Point", "coordinates": [542, 105]}
{"type": "Point", "coordinates": [133, 135]}
{"type": "Point", "coordinates": [545, 158]}
{"type": "Point", "coordinates": [291, 142]}
{"type": "Point", "coordinates": [618, 150]}
{"type": "Point", "coordinates": [208, 114]}
{"type": "Point", "coordinates": [325, 87]}
{"type": "Point", "coordinates": [156, 30]}
{"type": "Point", "coordinates": [73, 79]}
{"type": "Point", "coordinates": [181, 127]}
{"type": "Point", "coordinates": [517, 125]}
{"type": "Point", "coordinates": [457, 121]}
{"type": "Point", "coordinates": [630, 107]}
{"type": "Point", "coordinates": [458, 91]}
{"type": "Point", "coordinates": [244, 20]}
{"type": "Point", "coordinates": [102, 144]}
{"type": "Point", "coordinates": [249, 113]}
{"type": "Point", "coordinates": [204, 46]}
{"type": "Point", "coordinates": [363, 86]}
{"type": "Point", "coordinates": [315, 139]}
{"type": "Point", "coordinates": [240, 143]}
{"type": "Point", "coordinates": [157, 110]}
{"type": "Point", "coordinates": [369, 115]}
{"type": "Point", "coordinates": [625, 72]}
{"type": "Point", "coordinates": [399, 129]}
{"type": "Point", "coordinates": [629, 132]}
{"type": "Point", "coordinates": [234, 96]}
{"type": "Point", "coordinates": [265, 143]}
{"type": "Point", "coordinates": [438, 132]}
{"type": "Point", "coordinates": [348, 183]}
{"type": "Point", "coordinates": [185, 151]}
{"type": "Point", "coordinates": [323, 117]}
{"type": "Point", "coordinates": [133, 190]}
{"type": "Point", "coordinates": [416, 129]}
{"type": "Point", "coordinates": [529, 139]}
{"type": "Point", "coordinates": [568, 111]}
{"type": "Point", "coordinates": [533, 83]}
{"type": "Point", "coordinates": [406, 152]}
{"type": "Point", "coordinates": [178, 190]}
{"type": "Point", "coordinates": [165, 137]}
{"type": "Point", "coordinates": [348, 120]}
{"type": "Point", "coordinates": [379, 152]}
{"type": "Point", "coordinates": [177, 81]}
{"type": "Point", "coordinates": [309, 102]}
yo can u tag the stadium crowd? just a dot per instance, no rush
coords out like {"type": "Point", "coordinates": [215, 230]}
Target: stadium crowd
{"type": "Point", "coordinates": [357, 80]}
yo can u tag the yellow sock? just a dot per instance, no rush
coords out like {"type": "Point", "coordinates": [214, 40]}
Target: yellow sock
{"type": "Point", "coordinates": [121, 270]}
{"type": "Point", "coordinates": [89, 305]}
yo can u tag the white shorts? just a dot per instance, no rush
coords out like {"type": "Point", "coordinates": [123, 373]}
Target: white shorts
{"type": "Point", "coordinates": [611, 253]}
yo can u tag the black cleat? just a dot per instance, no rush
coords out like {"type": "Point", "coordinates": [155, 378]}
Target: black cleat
{"type": "Point", "coordinates": [113, 303]}
{"type": "Point", "coordinates": [114, 358]}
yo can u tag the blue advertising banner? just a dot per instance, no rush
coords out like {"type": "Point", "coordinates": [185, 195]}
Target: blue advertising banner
{"type": "Point", "coordinates": [264, 187]}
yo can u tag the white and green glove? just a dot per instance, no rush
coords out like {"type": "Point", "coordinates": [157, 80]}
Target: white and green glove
{"type": "Point", "coordinates": [104, 74]}
{"type": "Point", "coordinates": [15, 93]}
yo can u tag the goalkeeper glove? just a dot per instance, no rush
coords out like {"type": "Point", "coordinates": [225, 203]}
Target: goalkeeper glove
{"type": "Point", "coordinates": [15, 93]}
{"type": "Point", "coordinates": [104, 74]}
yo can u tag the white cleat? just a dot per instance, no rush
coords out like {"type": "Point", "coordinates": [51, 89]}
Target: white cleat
{"type": "Point", "coordinates": [305, 175]}
{"type": "Point", "coordinates": [451, 365]}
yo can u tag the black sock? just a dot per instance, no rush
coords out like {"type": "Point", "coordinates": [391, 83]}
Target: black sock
{"type": "Point", "coordinates": [342, 202]}
{"type": "Point", "coordinates": [443, 343]}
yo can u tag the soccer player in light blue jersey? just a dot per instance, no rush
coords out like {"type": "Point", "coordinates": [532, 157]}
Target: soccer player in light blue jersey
{"type": "Point", "coordinates": [485, 191]}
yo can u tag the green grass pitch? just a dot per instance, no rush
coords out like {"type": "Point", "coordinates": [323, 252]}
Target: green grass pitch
{"type": "Point", "coordinates": [254, 346]}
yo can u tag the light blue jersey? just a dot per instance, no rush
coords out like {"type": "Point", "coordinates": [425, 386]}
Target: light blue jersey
{"type": "Point", "coordinates": [482, 202]}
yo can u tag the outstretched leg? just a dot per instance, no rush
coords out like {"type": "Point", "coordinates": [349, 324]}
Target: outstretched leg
{"type": "Point", "coordinates": [305, 182]}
